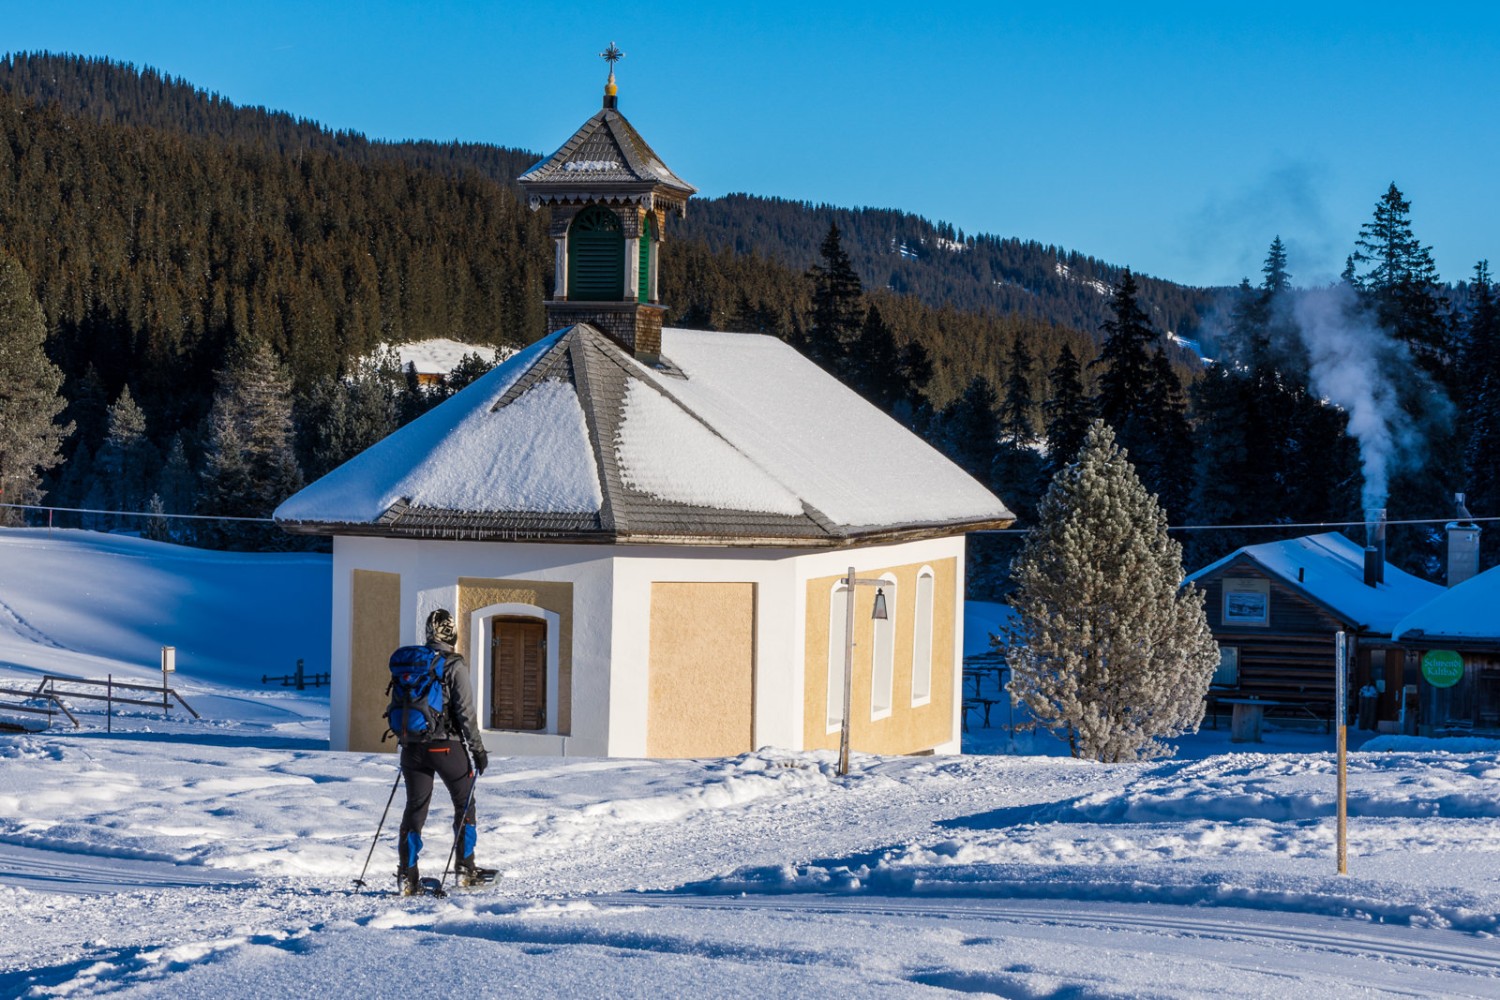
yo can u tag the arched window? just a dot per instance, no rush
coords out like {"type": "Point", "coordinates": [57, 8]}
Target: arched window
{"type": "Point", "coordinates": [643, 292]}
{"type": "Point", "coordinates": [596, 256]}
{"type": "Point", "coordinates": [921, 647]}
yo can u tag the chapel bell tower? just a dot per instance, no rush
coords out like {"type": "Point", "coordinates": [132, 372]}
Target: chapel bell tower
{"type": "Point", "coordinates": [610, 195]}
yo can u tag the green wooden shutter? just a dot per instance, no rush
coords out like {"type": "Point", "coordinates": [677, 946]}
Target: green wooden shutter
{"type": "Point", "coordinates": [596, 256]}
{"type": "Point", "coordinates": [644, 291]}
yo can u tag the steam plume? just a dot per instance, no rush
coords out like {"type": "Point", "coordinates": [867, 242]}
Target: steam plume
{"type": "Point", "coordinates": [1349, 359]}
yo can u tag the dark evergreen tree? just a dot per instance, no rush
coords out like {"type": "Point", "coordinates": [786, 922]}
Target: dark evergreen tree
{"type": "Point", "coordinates": [125, 465]}
{"type": "Point", "coordinates": [1017, 409]}
{"type": "Point", "coordinates": [469, 368]}
{"type": "Point", "coordinates": [837, 306]}
{"type": "Point", "coordinates": [971, 428]}
{"type": "Point", "coordinates": [30, 397]}
{"type": "Point", "coordinates": [1125, 360]}
{"type": "Point", "coordinates": [1481, 407]}
{"type": "Point", "coordinates": [1166, 448]}
{"type": "Point", "coordinates": [1401, 282]}
{"type": "Point", "coordinates": [250, 465]}
{"type": "Point", "coordinates": [1068, 411]}
{"type": "Point", "coordinates": [874, 363]}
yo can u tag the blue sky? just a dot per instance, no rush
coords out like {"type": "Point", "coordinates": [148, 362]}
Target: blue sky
{"type": "Point", "coordinates": [1162, 136]}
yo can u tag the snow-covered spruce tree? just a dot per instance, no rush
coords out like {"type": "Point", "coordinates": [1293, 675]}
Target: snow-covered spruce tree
{"type": "Point", "coordinates": [249, 465]}
{"type": "Point", "coordinates": [1109, 653]}
{"type": "Point", "coordinates": [30, 394]}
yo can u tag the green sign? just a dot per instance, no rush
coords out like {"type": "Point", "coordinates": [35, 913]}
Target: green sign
{"type": "Point", "coordinates": [1442, 667]}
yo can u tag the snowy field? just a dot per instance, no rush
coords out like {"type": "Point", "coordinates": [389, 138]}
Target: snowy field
{"type": "Point", "coordinates": [179, 858]}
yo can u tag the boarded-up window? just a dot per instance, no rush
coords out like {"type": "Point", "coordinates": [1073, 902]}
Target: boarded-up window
{"type": "Point", "coordinates": [518, 674]}
{"type": "Point", "coordinates": [596, 256]}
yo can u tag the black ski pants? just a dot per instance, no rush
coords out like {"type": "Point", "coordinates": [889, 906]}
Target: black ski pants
{"type": "Point", "coordinates": [449, 760]}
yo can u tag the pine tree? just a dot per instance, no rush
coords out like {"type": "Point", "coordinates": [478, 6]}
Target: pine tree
{"type": "Point", "coordinates": [1125, 359]}
{"type": "Point", "coordinates": [837, 306]}
{"type": "Point", "coordinates": [1482, 407]}
{"type": "Point", "coordinates": [1017, 408]}
{"type": "Point", "coordinates": [1165, 457]}
{"type": "Point", "coordinates": [250, 465]}
{"type": "Point", "coordinates": [126, 462]}
{"type": "Point", "coordinates": [30, 399]}
{"type": "Point", "coordinates": [971, 428]}
{"type": "Point", "coordinates": [1401, 281]}
{"type": "Point", "coordinates": [1110, 652]}
{"type": "Point", "coordinates": [1067, 410]}
{"type": "Point", "coordinates": [874, 363]}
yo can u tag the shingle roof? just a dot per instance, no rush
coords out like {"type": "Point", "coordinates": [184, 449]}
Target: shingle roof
{"type": "Point", "coordinates": [605, 154]}
{"type": "Point", "coordinates": [722, 447]}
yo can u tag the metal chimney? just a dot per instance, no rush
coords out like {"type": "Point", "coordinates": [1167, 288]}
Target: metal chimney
{"type": "Point", "coordinates": [1374, 546]}
{"type": "Point", "coordinates": [1463, 545]}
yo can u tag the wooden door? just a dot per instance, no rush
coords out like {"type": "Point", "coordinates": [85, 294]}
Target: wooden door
{"type": "Point", "coordinates": [518, 674]}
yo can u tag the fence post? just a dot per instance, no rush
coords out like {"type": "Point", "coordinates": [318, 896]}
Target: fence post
{"type": "Point", "coordinates": [109, 703]}
{"type": "Point", "coordinates": [300, 683]}
{"type": "Point", "coordinates": [168, 664]}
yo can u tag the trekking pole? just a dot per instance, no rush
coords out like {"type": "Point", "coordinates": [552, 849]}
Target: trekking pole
{"type": "Point", "coordinates": [361, 880]}
{"type": "Point", "coordinates": [462, 821]}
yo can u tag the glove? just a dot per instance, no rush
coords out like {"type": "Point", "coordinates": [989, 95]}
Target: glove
{"type": "Point", "coordinates": [481, 759]}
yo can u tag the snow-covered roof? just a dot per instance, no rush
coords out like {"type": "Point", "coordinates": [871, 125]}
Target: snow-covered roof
{"type": "Point", "coordinates": [1469, 612]}
{"type": "Point", "coordinates": [1332, 572]}
{"type": "Point", "coordinates": [440, 355]}
{"type": "Point", "coordinates": [734, 438]}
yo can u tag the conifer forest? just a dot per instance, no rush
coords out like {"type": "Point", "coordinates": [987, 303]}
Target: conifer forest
{"type": "Point", "coordinates": [194, 298]}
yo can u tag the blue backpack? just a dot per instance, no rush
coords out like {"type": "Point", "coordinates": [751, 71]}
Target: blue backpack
{"type": "Point", "coordinates": [416, 710]}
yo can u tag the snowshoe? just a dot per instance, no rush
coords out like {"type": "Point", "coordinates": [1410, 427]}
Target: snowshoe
{"type": "Point", "coordinates": [471, 875]}
{"type": "Point", "coordinates": [410, 883]}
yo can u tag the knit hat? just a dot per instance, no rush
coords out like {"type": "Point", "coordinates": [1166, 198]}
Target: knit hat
{"type": "Point", "coordinates": [440, 628]}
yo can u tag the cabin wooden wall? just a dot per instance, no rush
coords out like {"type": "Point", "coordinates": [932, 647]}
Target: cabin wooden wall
{"type": "Point", "coordinates": [1291, 657]}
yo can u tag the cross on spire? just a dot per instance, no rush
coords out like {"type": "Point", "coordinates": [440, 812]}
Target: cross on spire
{"type": "Point", "coordinates": [611, 55]}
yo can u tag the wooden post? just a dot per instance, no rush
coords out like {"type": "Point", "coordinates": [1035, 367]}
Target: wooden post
{"type": "Point", "coordinates": [848, 671]}
{"type": "Point", "coordinates": [109, 703]}
{"type": "Point", "coordinates": [1341, 686]}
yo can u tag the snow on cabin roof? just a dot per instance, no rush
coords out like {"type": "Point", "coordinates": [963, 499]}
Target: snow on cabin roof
{"type": "Point", "coordinates": [1469, 612]}
{"type": "Point", "coordinates": [1332, 570]}
{"type": "Point", "coordinates": [734, 439]}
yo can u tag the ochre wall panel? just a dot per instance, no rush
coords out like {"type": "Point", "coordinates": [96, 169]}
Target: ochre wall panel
{"type": "Point", "coordinates": [702, 684]}
{"type": "Point", "coordinates": [375, 634]}
{"type": "Point", "coordinates": [906, 729]}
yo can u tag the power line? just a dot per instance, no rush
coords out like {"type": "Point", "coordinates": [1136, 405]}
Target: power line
{"type": "Point", "coordinates": [1278, 525]}
{"type": "Point", "coordinates": [140, 513]}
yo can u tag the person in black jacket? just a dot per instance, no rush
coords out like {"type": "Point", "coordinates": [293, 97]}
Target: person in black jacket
{"type": "Point", "coordinates": [445, 752]}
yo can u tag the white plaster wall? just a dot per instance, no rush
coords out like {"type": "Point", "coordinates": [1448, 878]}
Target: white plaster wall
{"type": "Point", "coordinates": [430, 571]}
{"type": "Point", "coordinates": [778, 700]}
{"type": "Point", "coordinates": [611, 623]}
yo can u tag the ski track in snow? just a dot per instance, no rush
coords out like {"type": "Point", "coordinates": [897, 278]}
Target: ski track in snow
{"type": "Point", "coordinates": [11, 620]}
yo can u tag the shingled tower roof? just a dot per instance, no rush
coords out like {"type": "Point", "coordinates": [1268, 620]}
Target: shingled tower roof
{"type": "Point", "coordinates": [606, 157]}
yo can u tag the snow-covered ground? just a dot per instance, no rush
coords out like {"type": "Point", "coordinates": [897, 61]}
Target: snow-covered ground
{"type": "Point", "coordinates": [214, 858]}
